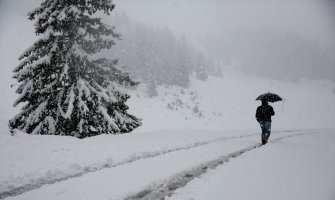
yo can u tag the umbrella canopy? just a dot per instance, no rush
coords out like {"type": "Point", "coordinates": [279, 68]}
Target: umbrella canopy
{"type": "Point", "coordinates": [271, 97]}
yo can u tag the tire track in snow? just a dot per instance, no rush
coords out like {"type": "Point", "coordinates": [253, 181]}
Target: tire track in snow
{"type": "Point", "coordinates": [33, 186]}
{"type": "Point", "coordinates": [168, 187]}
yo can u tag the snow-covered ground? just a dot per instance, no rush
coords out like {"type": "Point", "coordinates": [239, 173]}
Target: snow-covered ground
{"type": "Point", "coordinates": [185, 132]}
{"type": "Point", "coordinates": [293, 168]}
{"type": "Point", "coordinates": [27, 159]}
{"type": "Point", "coordinates": [294, 165]}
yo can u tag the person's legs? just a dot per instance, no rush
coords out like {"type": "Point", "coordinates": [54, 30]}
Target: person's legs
{"type": "Point", "coordinates": [262, 124]}
{"type": "Point", "coordinates": [267, 127]}
{"type": "Point", "coordinates": [266, 130]}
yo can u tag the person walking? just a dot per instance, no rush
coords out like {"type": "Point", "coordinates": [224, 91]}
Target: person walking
{"type": "Point", "coordinates": [264, 113]}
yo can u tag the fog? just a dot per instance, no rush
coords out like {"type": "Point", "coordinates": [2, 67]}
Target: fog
{"type": "Point", "coordinates": [282, 39]}
{"type": "Point", "coordinates": [250, 34]}
{"type": "Point", "coordinates": [196, 18]}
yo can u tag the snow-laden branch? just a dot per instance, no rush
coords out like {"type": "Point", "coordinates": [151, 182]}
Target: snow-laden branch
{"type": "Point", "coordinates": [49, 32]}
{"type": "Point", "coordinates": [49, 122]}
{"type": "Point", "coordinates": [27, 71]}
{"type": "Point", "coordinates": [84, 92]}
{"type": "Point", "coordinates": [35, 115]}
{"type": "Point", "coordinates": [69, 101]}
{"type": "Point", "coordinates": [27, 87]}
{"type": "Point", "coordinates": [101, 93]}
{"type": "Point", "coordinates": [111, 124]}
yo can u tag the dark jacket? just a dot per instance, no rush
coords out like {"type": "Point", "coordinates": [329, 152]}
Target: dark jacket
{"type": "Point", "coordinates": [264, 113]}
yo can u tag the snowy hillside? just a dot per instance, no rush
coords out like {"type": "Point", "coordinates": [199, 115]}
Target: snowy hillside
{"type": "Point", "coordinates": [229, 104]}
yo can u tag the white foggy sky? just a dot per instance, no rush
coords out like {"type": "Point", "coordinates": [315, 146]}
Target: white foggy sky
{"type": "Point", "coordinates": [312, 19]}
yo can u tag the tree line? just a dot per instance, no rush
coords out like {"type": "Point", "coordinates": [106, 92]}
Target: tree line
{"type": "Point", "coordinates": [155, 55]}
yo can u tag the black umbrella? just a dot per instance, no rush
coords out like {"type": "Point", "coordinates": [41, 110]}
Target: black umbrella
{"type": "Point", "coordinates": [271, 97]}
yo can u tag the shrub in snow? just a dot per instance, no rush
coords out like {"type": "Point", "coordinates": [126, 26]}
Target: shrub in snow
{"type": "Point", "coordinates": [179, 103]}
{"type": "Point", "coordinates": [169, 106]}
{"type": "Point", "coordinates": [196, 109]}
{"type": "Point", "coordinates": [66, 90]}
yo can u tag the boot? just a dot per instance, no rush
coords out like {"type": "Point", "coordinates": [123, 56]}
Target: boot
{"type": "Point", "coordinates": [264, 141]}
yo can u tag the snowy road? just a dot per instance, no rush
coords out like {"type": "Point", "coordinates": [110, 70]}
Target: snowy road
{"type": "Point", "coordinates": [160, 175]}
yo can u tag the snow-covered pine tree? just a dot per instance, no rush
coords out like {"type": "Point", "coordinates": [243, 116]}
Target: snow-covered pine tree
{"type": "Point", "coordinates": [66, 90]}
{"type": "Point", "coordinates": [201, 71]}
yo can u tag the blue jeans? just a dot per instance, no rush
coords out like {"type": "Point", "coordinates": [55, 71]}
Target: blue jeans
{"type": "Point", "coordinates": [266, 129]}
